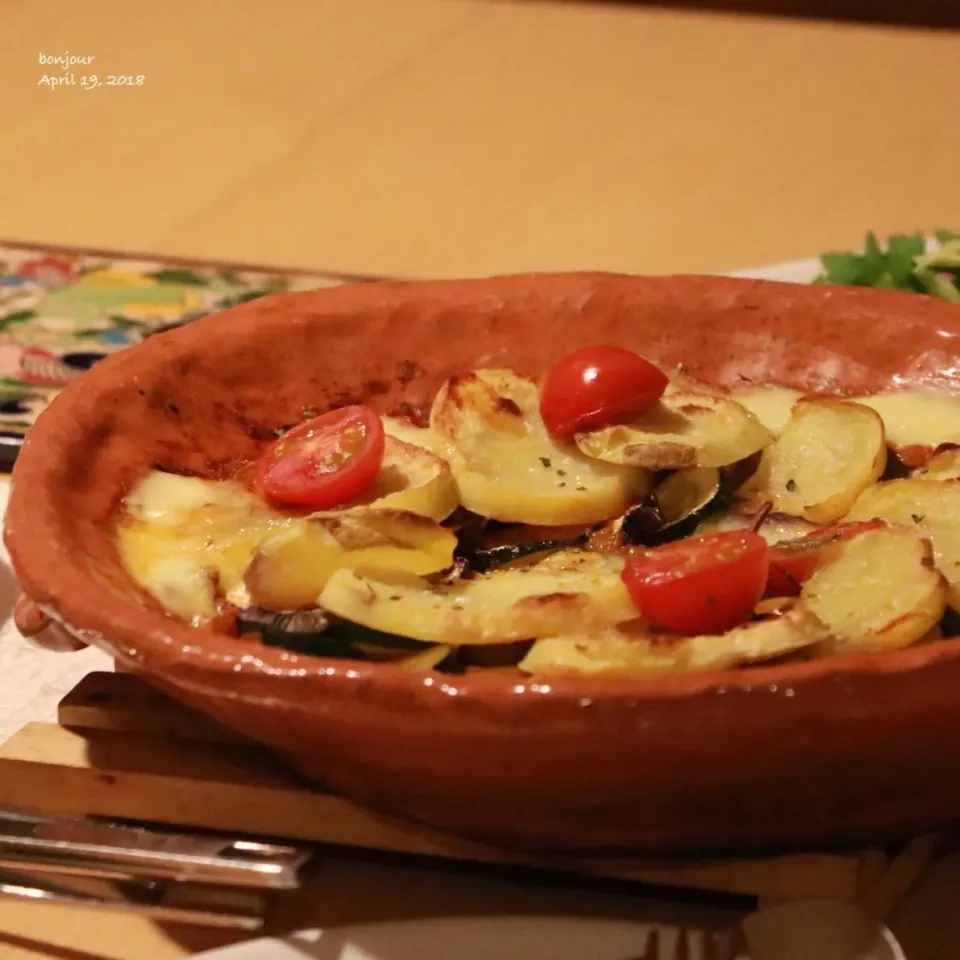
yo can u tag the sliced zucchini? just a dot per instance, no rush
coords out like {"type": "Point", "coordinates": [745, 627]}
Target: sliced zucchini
{"type": "Point", "coordinates": [674, 509]}
{"type": "Point", "coordinates": [685, 429]}
{"type": "Point", "coordinates": [773, 527]}
{"type": "Point", "coordinates": [629, 650]}
{"type": "Point", "coordinates": [483, 561]}
{"type": "Point", "coordinates": [507, 468]}
{"type": "Point", "coordinates": [316, 633]}
{"type": "Point", "coordinates": [501, 607]}
{"type": "Point", "coordinates": [429, 659]}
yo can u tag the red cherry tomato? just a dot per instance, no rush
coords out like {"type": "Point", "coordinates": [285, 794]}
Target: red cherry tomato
{"type": "Point", "coordinates": [794, 562]}
{"type": "Point", "coordinates": [324, 462]}
{"type": "Point", "coordinates": [700, 585]}
{"type": "Point", "coordinates": [594, 386]}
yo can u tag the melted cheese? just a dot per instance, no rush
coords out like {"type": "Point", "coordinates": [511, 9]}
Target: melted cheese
{"type": "Point", "coordinates": [910, 417]}
{"type": "Point", "coordinates": [770, 405]}
{"type": "Point", "coordinates": [183, 538]}
{"type": "Point", "coordinates": [189, 541]}
{"type": "Point", "coordinates": [915, 417]}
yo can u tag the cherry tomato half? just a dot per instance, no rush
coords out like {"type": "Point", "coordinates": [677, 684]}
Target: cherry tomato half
{"type": "Point", "coordinates": [594, 386]}
{"type": "Point", "coordinates": [324, 462]}
{"type": "Point", "coordinates": [700, 585]}
{"type": "Point", "coordinates": [794, 562]}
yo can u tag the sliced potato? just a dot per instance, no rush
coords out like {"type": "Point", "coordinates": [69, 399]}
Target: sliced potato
{"type": "Point", "coordinates": [686, 429]}
{"type": "Point", "coordinates": [910, 418]}
{"type": "Point", "coordinates": [932, 508]}
{"type": "Point", "coordinates": [289, 570]}
{"type": "Point", "coordinates": [507, 468]}
{"type": "Point", "coordinates": [830, 451]}
{"type": "Point", "coordinates": [507, 605]}
{"type": "Point", "coordinates": [414, 480]}
{"type": "Point", "coordinates": [878, 591]}
{"type": "Point", "coordinates": [944, 465]}
{"type": "Point", "coordinates": [629, 650]}
{"type": "Point", "coordinates": [770, 405]}
{"type": "Point", "coordinates": [403, 429]}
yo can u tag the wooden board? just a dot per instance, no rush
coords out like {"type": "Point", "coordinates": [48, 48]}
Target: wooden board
{"type": "Point", "coordinates": [123, 750]}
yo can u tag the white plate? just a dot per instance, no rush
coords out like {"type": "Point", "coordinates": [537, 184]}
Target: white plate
{"type": "Point", "coordinates": [794, 271]}
{"type": "Point", "coordinates": [466, 938]}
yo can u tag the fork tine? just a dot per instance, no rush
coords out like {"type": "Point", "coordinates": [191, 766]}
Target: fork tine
{"type": "Point", "coordinates": [720, 945]}
{"type": "Point", "coordinates": [652, 949]}
{"type": "Point", "coordinates": [711, 946]}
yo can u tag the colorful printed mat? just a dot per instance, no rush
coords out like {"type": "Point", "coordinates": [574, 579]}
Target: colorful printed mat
{"type": "Point", "coordinates": [63, 310]}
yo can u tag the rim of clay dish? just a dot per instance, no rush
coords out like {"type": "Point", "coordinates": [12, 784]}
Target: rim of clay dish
{"type": "Point", "coordinates": [44, 557]}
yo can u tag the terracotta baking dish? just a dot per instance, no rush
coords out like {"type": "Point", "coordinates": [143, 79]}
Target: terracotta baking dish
{"type": "Point", "coordinates": [786, 755]}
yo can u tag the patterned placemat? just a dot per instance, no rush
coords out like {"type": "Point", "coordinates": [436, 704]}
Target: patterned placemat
{"type": "Point", "coordinates": [64, 309]}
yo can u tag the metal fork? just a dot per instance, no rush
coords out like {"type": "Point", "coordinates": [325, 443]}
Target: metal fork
{"type": "Point", "coordinates": [686, 944]}
{"type": "Point", "coordinates": [201, 878]}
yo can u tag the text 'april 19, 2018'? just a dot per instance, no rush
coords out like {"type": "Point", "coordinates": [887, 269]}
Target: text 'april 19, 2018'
{"type": "Point", "coordinates": [73, 70]}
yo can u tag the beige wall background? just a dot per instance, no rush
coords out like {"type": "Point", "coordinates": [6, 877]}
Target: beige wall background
{"type": "Point", "coordinates": [460, 137]}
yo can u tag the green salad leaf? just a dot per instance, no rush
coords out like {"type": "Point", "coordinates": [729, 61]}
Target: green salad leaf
{"type": "Point", "coordinates": [902, 264]}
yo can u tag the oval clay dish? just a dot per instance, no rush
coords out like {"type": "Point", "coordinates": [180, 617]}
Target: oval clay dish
{"type": "Point", "coordinates": [837, 749]}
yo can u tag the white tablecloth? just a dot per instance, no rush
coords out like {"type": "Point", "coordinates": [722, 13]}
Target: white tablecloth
{"type": "Point", "coordinates": [32, 681]}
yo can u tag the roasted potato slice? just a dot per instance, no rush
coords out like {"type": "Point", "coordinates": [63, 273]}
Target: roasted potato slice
{"type": "Point", "coordinates": [629, 650]}
{"type": "Point", "coordinates": [414, 480]}
{"type": "Point", "coordinates": [685, 429]}
{"type": "Point", "coordinates": [507, 468]}
{"type": "Point", "coordinates": [289, 570]}
{"type": "Point", "coordinates": [507, 605]}
{"type": "Point", "coordinates": [910, 418]}
{"type": "Point", "coordinates": [878, 591]}
{"type": "Point", "coordinates": [932, 508]}
{"type": "Point", "coordinates": [400, 428]}
{"type": "Point", "coordinates": [944, 465]}
{"type": "Point", "coordinates": [830, 451]}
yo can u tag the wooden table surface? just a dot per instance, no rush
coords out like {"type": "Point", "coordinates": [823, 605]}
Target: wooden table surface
{"type": "Point", "coordinates": [436, 137]}
{"type": "Point", "coordinates": [443, 138]}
